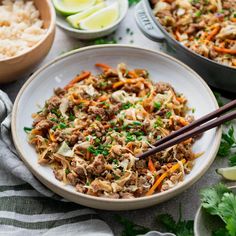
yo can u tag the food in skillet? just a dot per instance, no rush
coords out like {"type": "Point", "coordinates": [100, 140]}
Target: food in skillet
{"type": "Point", "coordinates": [208, 27]}
{"type": "Point", "coordinates": [91, 131]}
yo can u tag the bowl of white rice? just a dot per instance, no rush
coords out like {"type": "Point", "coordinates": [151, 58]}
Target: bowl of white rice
{"type": "Point", "coordinates": [27, 30]}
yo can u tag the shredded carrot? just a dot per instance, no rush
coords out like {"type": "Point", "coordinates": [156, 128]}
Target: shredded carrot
{"type": "Point", "coordinates": [128, 81]}
{"type": "Point", "coordinates": [225, 50]}
{"type": "Point", "coordinates": [106, 126]}
{"type": "Point", "coordinates": [181, 99]}
{"type": "Point", "coordinates": [52, 136]}
{"type": "Point", "coordinates": [102, 98]}
{"type": "Point", "coordinates": [213, 33]}
{"type": "Point", "coordinates": [77, 100]}
{"type": "Point", "coordinates": [78, 78]}
{"type": "Point", "coordinates": [132, 74]}
{"type": "Point", "coordinates": [103, 66]}
{"type": "Point", "coordinates": [36, 132]}
{"type": "Point", "coordinates": [177, 35]}
{"type": "Point", "coordinates": [233, 19]}
{"type": "Point", "coordinates": [182, 121]}
{"type": "Point", "coordinates": [151, 166]}
{"type": "Point", "coordinates": [163, 176]}
{"type": "Point", "coordinates": [188, 141]}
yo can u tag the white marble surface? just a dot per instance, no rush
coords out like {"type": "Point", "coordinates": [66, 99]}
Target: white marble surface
{"type": "Point", "coordinates": [190, 198]}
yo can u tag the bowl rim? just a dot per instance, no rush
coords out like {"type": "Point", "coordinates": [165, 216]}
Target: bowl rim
{"type": "Point", "coordinates": [167, 34]}
{"type": "Point", "coordinates": [197, 216]}
{"type": "Point", "coordinates": [84, 32]}
{"type": "Point", "coordinates": [49, 31]}
{"type": "Point", "coordinates": [177, 189]}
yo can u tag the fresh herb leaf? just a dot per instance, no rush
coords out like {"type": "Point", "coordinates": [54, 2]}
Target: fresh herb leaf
{"type": "Point", "coordinates": [211, 198]}
{"type": "Point", "coordinates": [232, 160]}
{"type": "Point", "coordinates": [219, 99]}
{"type": "Point", "coordinates": [132, 2]}
{"type": "Point", "coordinates": [67, 171]}
{"type": "Point", "coordinates": [130, 228]}
{"type": "Point", "coordinates": [227, 143]}
{"type": "Point", "coordinates": [220, 232]}
{"type": "Point", "coordinates": [53, 119]}
{"type": "Point", "coordinates": [180, 228]}
{"type": "Point", "coordinates": [27, 129]}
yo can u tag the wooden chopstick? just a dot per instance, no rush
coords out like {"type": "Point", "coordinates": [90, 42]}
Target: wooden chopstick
{"type": "Point", "coordinates": [198, 122]}
{"type": "Point", "coordinates": [193, 130]}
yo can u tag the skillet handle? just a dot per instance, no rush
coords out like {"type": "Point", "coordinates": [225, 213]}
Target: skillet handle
{"type": "Point", "coordinates": [146, 24]}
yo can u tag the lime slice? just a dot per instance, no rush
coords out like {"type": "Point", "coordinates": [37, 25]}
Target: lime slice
{"type": "Point", "coordinates": [69, 7]}
{"type": "Point", "coordinates": [228, 172]}
{"type": "Point", "coordinates": [102, 18]}
{"type": "Point", "coordinates": [74, 20]}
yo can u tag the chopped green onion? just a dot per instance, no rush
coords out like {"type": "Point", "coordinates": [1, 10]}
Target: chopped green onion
{"type": "Point", "coordinates": [157, 105]}
{"type": "Point", "coordinates": [27, 129]}
{"type": "Point", "coordinates": [137, 123]}
{"type": "Point", "coordinates": [168, 115]}
{"type": "Point", "coordinates": [62, 125]}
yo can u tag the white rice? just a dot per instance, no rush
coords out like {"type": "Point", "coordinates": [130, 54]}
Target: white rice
{"type": "Point", "coordinates": [20, 27]}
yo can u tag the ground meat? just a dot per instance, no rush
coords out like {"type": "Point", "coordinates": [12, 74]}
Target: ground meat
{"type": "Point", "coordinates": [126, 195]}
{"type": "Point", "coordinates": [44, 125]}
{"type": "Point", "coordinates": [38, 119]}
{"type": "Point", "coordinates": [60, 92]}
{"type": "Point", "coordinates": [96, 110]}
{"type": "Point", "coordinates": [140, 164]}
{"type": "Point", "coordinates": [97, 167]}
{"type": "Point", "coordinates": [72, 179]}
{"type": "Point", "coordinates": [53, 102]}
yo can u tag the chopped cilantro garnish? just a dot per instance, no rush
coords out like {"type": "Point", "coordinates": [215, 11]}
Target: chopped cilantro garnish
{"type": "Point", "coordinates": [67, 171]}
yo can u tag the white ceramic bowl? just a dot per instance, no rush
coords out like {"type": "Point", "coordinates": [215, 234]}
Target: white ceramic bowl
{"type": "Point", "coordinates": [205, 224]}
{"type": "Point", "coordinates": [161, 67]}
{"type": "Point", "coordinates": [92, 34]}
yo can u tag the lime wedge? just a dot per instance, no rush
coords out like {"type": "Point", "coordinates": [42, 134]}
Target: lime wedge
{"type": "Point", "coordinates": [228, 172]}
{"type": "Point", "coordinates": [69, 7]}
{"type": "Point", "coordinates": [102, 18]}
{"type": "Point", "coordinates": [74, 20]}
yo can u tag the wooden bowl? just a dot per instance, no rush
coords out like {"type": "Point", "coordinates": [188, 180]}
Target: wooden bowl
{"type": "Point", "coordinates": [13, 68]}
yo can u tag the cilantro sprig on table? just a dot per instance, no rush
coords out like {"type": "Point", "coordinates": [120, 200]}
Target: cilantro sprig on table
{"type": "Point", "coordinates": [179, 228]}
{"type": "Point", "coordinates": [228, 143]}
{"type": "Point", "coordinates": [220, 201]}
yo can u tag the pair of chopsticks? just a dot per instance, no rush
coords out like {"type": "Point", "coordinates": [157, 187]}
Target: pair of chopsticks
{"type": "Point", "coordinates": [197, 127]}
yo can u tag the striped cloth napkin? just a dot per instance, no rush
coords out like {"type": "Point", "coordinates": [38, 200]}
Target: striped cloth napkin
{"type": "Point", "coordinates": [26, 206]}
